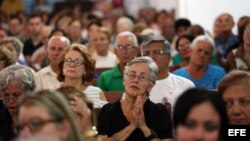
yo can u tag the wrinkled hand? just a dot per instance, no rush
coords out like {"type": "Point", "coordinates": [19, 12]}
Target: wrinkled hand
{"type": "Point", "coordinates": [140, 112]}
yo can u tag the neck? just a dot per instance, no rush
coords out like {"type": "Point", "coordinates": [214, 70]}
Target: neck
{"type": "Point", "coordinates": [54, 68]}
{"type": "Point", "coordinates": [162, 75]}
{"type": "Point", "coordinates": [122, 67]}
{"type": "Point", "coordinates": [226, 34]}
{"type": "Point", "coordinates": [196, 71]}
{"type": "Point", "coordinates": [74, 82]}
{"type": "Point", "coordinates": [102, 53]}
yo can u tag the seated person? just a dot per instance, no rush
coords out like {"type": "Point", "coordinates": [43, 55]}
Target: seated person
{"type": "Point", "coordinates": [135, 117]}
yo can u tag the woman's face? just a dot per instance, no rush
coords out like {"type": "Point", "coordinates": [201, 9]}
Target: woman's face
{"type": "Point", "coordinates": [246, 34]}
{"type": "Point", "coordinates": [101, 42]}
{"type": "Point", "coordinates": [184, 48]}
{"type": "Point", "coordinates": [137, 80]}
{"type": "Point", "coordinates": [36, 121]}
{"type": "Point", "coordinates": [73, 66]}
{"type": "Point", "coordinates": [237, 98]}
{"type": "Point", "coordinates": [202, 123]}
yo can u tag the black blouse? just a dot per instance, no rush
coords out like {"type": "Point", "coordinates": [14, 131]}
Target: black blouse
{"type": "Point", "coordinates": [111, 120]}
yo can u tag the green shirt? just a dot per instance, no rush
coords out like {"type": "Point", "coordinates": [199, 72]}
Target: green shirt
{"type": "Point", "coordinates": [111, 80]}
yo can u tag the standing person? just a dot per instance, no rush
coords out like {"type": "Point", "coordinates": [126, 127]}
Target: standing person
{"type": "Point", "coordinates": [234, 88]}
{"type": "Point", "coordinates": [135, 117]}
{"type": "Point", "coordinates": [46, 78]}
{"type": "Point", "coordinates": [77, 69]}
{"type": "Point", "coordinates": [47, 114]}
{"type": "Point", "coordinates": [168, 86]}
{"type": "Point", "coordinates": [199, 114]}
{"type": "Point", "coordinates": [199, 70]}
{"type": "Point", "coordinates": [126, 48]}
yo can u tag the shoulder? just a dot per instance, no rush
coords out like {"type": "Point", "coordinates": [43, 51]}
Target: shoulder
{"type": "Point", "coordinates": [217, 69]}
{"type": "Point", "coordinates": [43, 71]}
{"type": "Point", "coordinates": [179, 71]}
{"type": "Point", "coordinates": [180, 79]}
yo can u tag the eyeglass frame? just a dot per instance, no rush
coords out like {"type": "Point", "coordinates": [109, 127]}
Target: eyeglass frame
{"type": "Point", "coordinates": [15, 96]}
{"type": "Point", "coordinates": [77, 62]}
{"type": "Point", "coordinates": [141, 77]}
{"type": "Point", "coordinates": [31, 124]}
{"type": "Point", "coordinates": [155, 52]}
{"type": "Point", "coordinates": [126, 47]}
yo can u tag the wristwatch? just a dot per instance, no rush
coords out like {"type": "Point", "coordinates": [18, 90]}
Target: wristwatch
{"type": "Point", "coordinates": [153, 135]}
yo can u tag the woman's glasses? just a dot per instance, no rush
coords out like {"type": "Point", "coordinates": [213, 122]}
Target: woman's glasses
{"type": "Point", "coordinates": [76, 62]}
{"type": "Point", "coordinates": [35, 124]}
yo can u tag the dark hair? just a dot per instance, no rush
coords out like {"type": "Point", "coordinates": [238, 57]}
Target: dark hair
{"type": "Point", "coordinates": [186, 36]}
{"type": "Point", "coordinates": [195, 96]}
{"type": "Point", "coordinates": [181, 22]}
{"type": "Point", "coordinates": [89, 63]}
{"type": "Point", "coordinates": [241, 28]}
{"type": "Point", "coordinates": [57, 30]}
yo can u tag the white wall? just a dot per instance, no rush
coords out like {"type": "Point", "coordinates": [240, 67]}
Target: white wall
{"type": "Point", "coordinates": [204, 12]}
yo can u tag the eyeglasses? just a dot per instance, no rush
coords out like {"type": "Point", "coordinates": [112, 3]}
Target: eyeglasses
{"type": "Point", "coordinates": [76, 62]}
{"type": "Point", "coordinates": [13, 96]}
{"type": "Point", "coordinates": [184, 46]}
{"type": "Point", "coordinates": [127, 47]}
{"type": "Point", "coordinates": [132, 75]}
{"type": "Point", "coordinates": [36, 124]}
{"type": "Point", "coordinates": [155, 52]}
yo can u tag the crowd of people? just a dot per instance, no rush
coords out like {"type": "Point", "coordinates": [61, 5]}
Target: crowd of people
{"type": "Point", "coordinates": [178, 82]}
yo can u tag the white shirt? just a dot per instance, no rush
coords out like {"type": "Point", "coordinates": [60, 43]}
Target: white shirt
{"type": "Point", "coordinates": [46, 78]}
{"type": "Point", "coordinates": [108, 61]}
{"type": "Point", "coordinates": [93, 93]}
{"type": "Point", "coordinates": [169, 89]}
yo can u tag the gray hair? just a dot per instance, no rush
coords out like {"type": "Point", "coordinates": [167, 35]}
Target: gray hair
{"type": "Point", "coordinates": [125, 21]}
{"type": "Point", "coordinates": [156, 38]}
{"type": "Point", "coordinates": [17, 43]}
{"type": "Point", "coordinates": [151, 64]}
{"type": "Point", "coordinates": [204, 38]}
{"type": "Point", "coordinates": [63, 39]}
{"type": "Point", "coordinates": [129, 35]}
{"type": "Point", "coordinates": [23, 73]}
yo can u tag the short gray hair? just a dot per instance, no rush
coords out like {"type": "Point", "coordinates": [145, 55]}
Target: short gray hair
{"type": "Point", "coordinates": [204, 38]}
{"type": "Point", "coordinates": [23, 73]}
{"type": "Point", "coordinates": [17, 43]}
{"type": "Point", "coordinates": [147, 60]}
{"type": "Point", "coordinates": [129, 35]}
{"type": "Point", "coordinates": [64, 39]}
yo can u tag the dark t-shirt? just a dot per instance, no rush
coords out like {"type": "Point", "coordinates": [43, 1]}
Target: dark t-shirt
{"type": "Point", "coordinates": [6, 130]}
{"type": "Point", "coordinates": [29, 48]}
{"type": "Point", "coordinates": [111, 120]}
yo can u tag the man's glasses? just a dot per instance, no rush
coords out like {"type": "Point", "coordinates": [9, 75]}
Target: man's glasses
{"type": "Point", "coordinates": [13, 96]}
{"type": "Point", "coordinates": [132, 75]}
{"type": "Point", "coordinates": [76, 62]}
{"type": "Point", "coordinates": [36, 124]}
{"type": "Point", "coordinates": [127, 47]}
{"type": "Point", "coordinates": [155, 52]}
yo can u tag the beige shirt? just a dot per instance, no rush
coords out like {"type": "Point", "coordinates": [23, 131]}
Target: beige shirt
{"type": "Point", "coordinates": [46, 79]}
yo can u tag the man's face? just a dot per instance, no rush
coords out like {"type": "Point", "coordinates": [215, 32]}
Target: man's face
{"type": "Point", "coordinates": [35, 26]}
{"type": "Point", "coordinates": [55, 49]}
{"type": "Point", "coordinates": [152, 50]}
{"type": "Point", "coordinates": [11, 95]}
{"type": "Point", "coordinates": [125, 50]}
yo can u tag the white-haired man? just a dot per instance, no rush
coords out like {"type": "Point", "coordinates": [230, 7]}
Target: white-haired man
{"type": "Point", "coordinates": [46, 78]}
